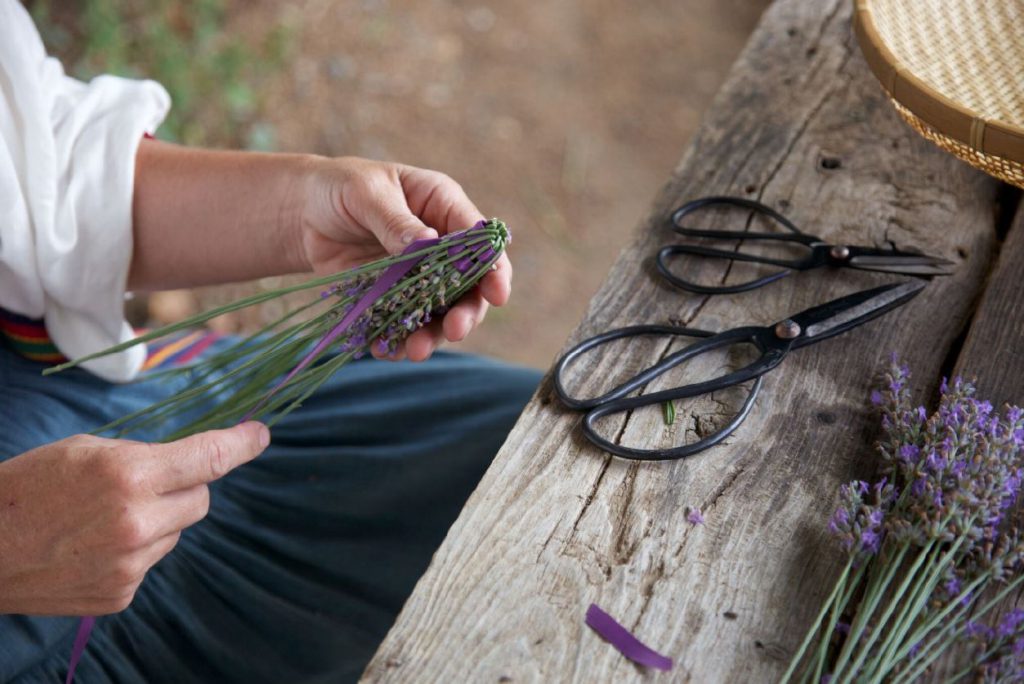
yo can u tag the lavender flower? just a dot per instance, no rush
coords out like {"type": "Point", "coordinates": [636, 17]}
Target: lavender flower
{"type": "Point", "coordinates": [858, 522]}
{"type": "Point", "coordinates": [375, 306]}
{"type": "Point", "coordinates": [694, 516]}
{"type": "Point", "coordinates": [933, 527]}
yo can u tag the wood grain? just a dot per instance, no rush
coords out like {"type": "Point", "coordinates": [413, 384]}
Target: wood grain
{"type": "Point", "coordinates": [993, 353]}
{"type": "Point", "coordinates": [993, 358]}
{"type": "Point", "coordinates": [557, 524]}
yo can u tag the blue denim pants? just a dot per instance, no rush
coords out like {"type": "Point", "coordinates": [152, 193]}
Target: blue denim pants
{"type": "Point", "coordinates": [308, 552]}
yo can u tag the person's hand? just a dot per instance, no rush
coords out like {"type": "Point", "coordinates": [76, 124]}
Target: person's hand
{"type": "Point", "coordinates": [358, 210]}
{"type": "Point", "coordinates": [82, 520]}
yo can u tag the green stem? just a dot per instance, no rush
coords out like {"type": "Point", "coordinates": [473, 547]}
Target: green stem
{"type": "Point", "coordinates": [931, 651]}
{"type": "Point", "coordinates": [865, 611]}
{"type": "Point", "coordinates": [261, 297]}
{"type": "Point", "coordinates": [794, 662]}
{"type": "Point", "coordinates": [915, 607]}
{"type": "Point", "coordinates": [865, 647]}
{"type": "Point", "coordinates": [919, 581]}
{"type": "Point", "coordinates": [837, 611]}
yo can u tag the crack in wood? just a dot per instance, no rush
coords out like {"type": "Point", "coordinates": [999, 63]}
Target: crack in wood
{"type": "Point", "coordinates": [620, 522]}
{"type": "Point", "coordinates": [826, 22]}
{"type": "Point", "coordinates": [590, 498]}
{"type": "Point", "coordinates": [723, 487]}
{"type": "Point", "coordinates": [647, 591]}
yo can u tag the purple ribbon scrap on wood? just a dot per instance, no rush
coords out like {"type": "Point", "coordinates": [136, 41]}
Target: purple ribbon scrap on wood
{"type": "Point", "coordinates": [623, 641]}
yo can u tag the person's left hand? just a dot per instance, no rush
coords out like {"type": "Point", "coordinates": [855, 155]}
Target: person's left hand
{"type": "Point", "coordinates": [357, 210]}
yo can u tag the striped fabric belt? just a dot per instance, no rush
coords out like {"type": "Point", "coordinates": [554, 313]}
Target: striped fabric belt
{"type": "Point", "coordinates": [28, 337]}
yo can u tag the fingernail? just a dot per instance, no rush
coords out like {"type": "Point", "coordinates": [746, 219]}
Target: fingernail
{"type": "Point", "coordinates": [264, 436]}
{"type": "Point", "coordinates": [408, 238]}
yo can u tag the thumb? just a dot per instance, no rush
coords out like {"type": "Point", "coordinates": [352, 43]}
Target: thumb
{"type": "Point", "coordinates": [208, 456]}
{"type": "Point", "coordinates": [394, 224]}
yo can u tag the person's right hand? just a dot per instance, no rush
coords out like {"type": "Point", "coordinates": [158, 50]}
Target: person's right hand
{"type": "Point", "coordinates": [82, 520]}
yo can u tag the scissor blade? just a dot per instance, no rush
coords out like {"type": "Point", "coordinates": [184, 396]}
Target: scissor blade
{"type": "Point", "coordinates": [839, 315]}
{"type": "Point", "coordinates": [907, 264]}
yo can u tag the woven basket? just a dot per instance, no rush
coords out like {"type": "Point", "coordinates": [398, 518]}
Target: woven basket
{"type": "Point", "coordinates": [955, 71]}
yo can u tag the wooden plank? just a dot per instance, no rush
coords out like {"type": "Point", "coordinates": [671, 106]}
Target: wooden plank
{"type": "Point", "coordinates": [556, 524]}
{"type": "Point", "coordinates": [993, 357]}
{"type": "Point", "coordinates": [993, 352]}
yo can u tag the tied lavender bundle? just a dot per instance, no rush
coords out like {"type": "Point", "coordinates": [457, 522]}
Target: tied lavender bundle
{"type": "Point", "coordinates": [931, 548]}
{"type": "Point", "coordinates": [271, 372]}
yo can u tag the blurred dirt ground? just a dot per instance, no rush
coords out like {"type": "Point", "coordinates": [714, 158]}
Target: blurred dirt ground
{"type": "Point", "coordinates": [563, 118]}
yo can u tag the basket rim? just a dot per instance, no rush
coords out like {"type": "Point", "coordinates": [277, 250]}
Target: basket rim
{"type": "Point", "coordinates": [951, 118]}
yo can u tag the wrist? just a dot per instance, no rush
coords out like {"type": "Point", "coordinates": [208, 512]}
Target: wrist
{"type": "Point", "coordinates": [301, 187]}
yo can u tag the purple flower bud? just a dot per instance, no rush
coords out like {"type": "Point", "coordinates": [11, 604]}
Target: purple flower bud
{"type": "Point", "coordinates": [959, 467]}
{"type": "Point", "coordinates": [870, 541]}
{"type": "Point", "coordinates": [694, 516]}
{"type": "Point", "coordinates": [1008, 625]}
{"type": "Point", "coordinates": [909, 453]}
{"type": "Point", "coordinates": [919, 486]}
{"type": "Point", "coordinates": [876, 397]}
{"type": "Point", "coordinates": [977, 630]}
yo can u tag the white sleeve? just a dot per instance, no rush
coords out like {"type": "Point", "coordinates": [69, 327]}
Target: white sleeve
{"type": "Point", "coordinates": [67, 167]}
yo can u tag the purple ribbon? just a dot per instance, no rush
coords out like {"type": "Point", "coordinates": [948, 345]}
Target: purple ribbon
{"type": "Point", "coordinates": [81, 639]}
{"type": "Point", "coordinates": [623, 641]}
{"type": "Point", "coordinates": [384, 283]}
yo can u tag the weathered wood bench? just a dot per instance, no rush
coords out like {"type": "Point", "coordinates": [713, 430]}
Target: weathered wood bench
{"type": "Point", "coordinates": [557, 524]}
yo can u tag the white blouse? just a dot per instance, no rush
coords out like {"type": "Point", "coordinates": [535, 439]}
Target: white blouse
{"type": "Point", "coordinates": [67, 163]}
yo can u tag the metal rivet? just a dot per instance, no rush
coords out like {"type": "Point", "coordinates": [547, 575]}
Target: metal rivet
{"type": "Point", "coordinates": [787, 329]}
{"type": "Point", "coordinates": [840, 252]}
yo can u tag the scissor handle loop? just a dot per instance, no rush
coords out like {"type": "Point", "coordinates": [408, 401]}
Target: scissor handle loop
{"type": "Point", "coordinates": [788, 265]}
{"type": "Point", "coordinates": [717, 200]}
{"type": "Point", "coordinates": [578, 404]}
{"type": "Point", "coordinates": [673, 453]}
{"type": "Point", "coordinates": [616, 400]}
{"type": "Point", "coordinates": [671, 250]}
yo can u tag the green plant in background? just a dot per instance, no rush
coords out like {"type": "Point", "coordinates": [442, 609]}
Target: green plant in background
{"type": "Point", "coordinates": [215, 77]}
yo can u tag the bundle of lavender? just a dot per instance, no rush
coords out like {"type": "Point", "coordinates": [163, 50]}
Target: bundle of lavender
{"type": "Point", "coordinates": [271, 372]}
{"type": "Point", "coordinates": [931, 549]}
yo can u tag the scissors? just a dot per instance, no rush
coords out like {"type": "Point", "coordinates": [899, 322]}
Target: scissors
{"type": "Point", "coordinates": [820, 253]}
{"type": "Point", "coordinates": [774, 342]}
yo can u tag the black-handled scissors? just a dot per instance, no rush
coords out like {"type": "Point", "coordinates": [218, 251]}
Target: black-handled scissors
{"type": "Point", "coordinates": [819, 252]}
{"type": "Point", "coordinates": [774, 342]}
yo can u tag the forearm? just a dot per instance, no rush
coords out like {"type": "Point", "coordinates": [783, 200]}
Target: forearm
{"type": "Point", "coordinates": [203, 216]}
